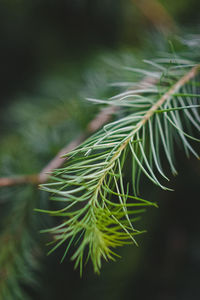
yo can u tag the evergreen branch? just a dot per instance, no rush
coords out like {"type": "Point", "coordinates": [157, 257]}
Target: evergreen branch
{"type": "Point", "coordinates": [91, 187]}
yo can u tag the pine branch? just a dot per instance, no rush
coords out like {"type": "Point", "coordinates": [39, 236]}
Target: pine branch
{"type": "Point", "coordinates": [93, 175]}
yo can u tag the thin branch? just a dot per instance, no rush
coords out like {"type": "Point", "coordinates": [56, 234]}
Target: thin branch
{"type": "Point", "coordinates": [58, 160]}
{"type": "Point", "coordinates": [101, 118]}
{"type": "Point", "coordinates": [9, 181]}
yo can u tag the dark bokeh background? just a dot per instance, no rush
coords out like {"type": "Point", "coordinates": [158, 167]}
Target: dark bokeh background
{"type": "Point", "coordinates": [37, 36]}
{"type": "Point", "coordinates": [47, 42]}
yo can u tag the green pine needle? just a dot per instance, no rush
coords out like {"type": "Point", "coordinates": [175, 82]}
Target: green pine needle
{"type": "Point", "coordinates": [98, 206]}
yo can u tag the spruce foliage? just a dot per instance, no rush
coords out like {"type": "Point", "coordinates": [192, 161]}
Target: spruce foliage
{"type": "Point", "coordinates": [99, 209]}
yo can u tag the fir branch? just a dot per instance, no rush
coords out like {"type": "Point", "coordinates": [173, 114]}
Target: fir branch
{"type": "Point", "coordinates": [93, 174]}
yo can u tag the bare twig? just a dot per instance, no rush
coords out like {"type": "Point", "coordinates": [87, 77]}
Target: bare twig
{"type": "Point", "coordinates": [101, 118]}
{"type": "Point", "coordinates": [9, 181]}
{"type": "Point", "coordinates": [58, 160]}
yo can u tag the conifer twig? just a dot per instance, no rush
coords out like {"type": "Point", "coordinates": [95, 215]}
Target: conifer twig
{"type": "Point", "coordinates": [94, 172]}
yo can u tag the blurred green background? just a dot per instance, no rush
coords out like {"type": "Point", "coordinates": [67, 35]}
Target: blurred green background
{"type": "Point", "coordinates": [53, 54]}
